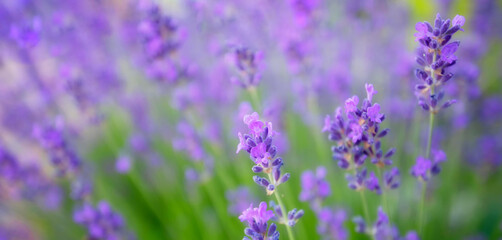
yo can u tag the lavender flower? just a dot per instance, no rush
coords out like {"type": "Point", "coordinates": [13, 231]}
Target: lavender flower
{"type": "Point", "coordinates": [161, 39]}
{"type": "Point", "coordinates": [357, 137]}
{"type": "Point", "coordinates": [258, 143]}
{"type": "Point", "coordinates": [27, 181]}
{"type": "Point", "coordinates": [392, 178]}
{"type": "Point", "coordinates": [425, 168]}
{"type": "Point", "coordinates": [315, 189]}
{"type": "Point", "coordinates": [314, 186]}
{"type": "Point", "coordinates": [9, 165]}
{"type": "Point", "coordinates": [436, 55]}
{"type": "Point", "coordinates": [372, 184]}
{"type": "Point", "coordinates": [62, 156]}
{"type": "Point", "coordinates": [331, 223]}
{"type": "Point", "coordinates": [257, 222]}
{"type": "Point", "coordinates": [101, 221]}
{"type": "Point", "coordinates": [249, 65]}
{"type": "Point", "coordinates": [26, 35]}
{"type": "Point", "coordinates": [123, 164]}
{"type": "Point", "coordinates": [382, 228]}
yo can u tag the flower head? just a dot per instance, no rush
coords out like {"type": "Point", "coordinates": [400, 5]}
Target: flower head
{"type": "Point", "coordinates": [421, 168]}
{"type": "Point", "coordinates": [257, 219]}
{"type": "Point", "coordinates": [436, 55]}
{"type": "Point", "coordinates": [258, 142]}
{"type": "Point", "coordinates": [357, 137]}
{"type": "Point", "coordinates": [314, 186]}
{"type": "Point", "coordinates": [351, 104]}
{"type": "Point", "coordinates": [373, 184]}
{"type": "Point", "coordinates": [101, 221]}
{"type": "Point", "coordinates": [370, 91]}
{"type": "Point", "coordinates": [374, 113]}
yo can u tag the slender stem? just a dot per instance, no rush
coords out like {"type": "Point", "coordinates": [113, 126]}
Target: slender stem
{"type": "Point", "coordinates": [431, 119]}
{"type": "Point", "coordinates": [384, 199]}
{"type": "Point", "coordinates": [429, 139]}
{"type": "Point", "coordinates": [363, 197]}
{"type": "Point", "coordinates": [283, 209]}
{"type": "Point", "coordinates": [254, 97]}
{"type": "Point", "coordinates": [285, 215]}
{"type": "Point", "coordinates": [421, 227]}
{"type": "Point", "coordinates": [365, 206]}
{"type": "Point", "coordinates": [427, 152]}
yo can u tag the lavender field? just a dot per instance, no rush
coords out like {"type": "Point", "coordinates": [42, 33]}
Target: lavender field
{"type": "Point", "coordinates": [252, 119]}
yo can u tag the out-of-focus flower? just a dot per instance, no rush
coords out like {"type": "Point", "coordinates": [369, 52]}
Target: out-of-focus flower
{"type": "Point", "coordinates": [239, 199]}
{"type": "Point", "coordinates": [382, 228]}
{"type": "Point", "coordinates": [425, 168]}
{"type": "Point", "coordinates": [123, 164]}
{"type": "Point", "coordinates": [51, 137]}
{"type": "Point", "coordinates": [249, 65]}
{"type": "Point", "coordinates": [101, 221]}
{"type": "Point", "coordinates": [331, 223]}
{"type": "Point", "coordinates": [257, 222]}
{"type": "Point", "coordinates": [314, 186]}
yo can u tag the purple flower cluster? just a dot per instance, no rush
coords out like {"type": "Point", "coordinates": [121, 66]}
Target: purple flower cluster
{"type": "Point", "coordinates": [331, 223]}
{"type": "Point", "coordinates": [425, 168]}
{"type": "Point", "coordinates": [258, 143]}
{"type": "Point", "coordinates": [315, 189]}
{"type": "Point", "coordinates": [249, 65]}
{"type": "Point", "coordinates": [28, 182]}
{"type": "Point", "coordinates": [257, 221]}
{"type": "Point", "coordinates": [62, 156]}
{"type": "Point", "coordinates": [435, 55]}
{"type": "Point", "coordinates": [161, 39]}
{"type": "Point", "coordinates": [101, 221]}
{"type": "Point", "coordinates": [358, 137]}
{"type": "Point", "coordinates": [191, 142]}
{"type": "Point", "coordinates": [382, 229]}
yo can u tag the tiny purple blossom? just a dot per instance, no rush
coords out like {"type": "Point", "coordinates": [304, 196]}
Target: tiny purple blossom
{"type": "Point", "coordinates": [382, 218]}
{"type": "Point", "coordinates": [374, 113]}
{"type": "Point", "coordinates": [448, 52]}
{"type": "Point", "coordinates": [351, 104]}
{"type": "Point", "coordinates": [356, 132]}
{"type": "Point", "coordinates": [420, 169]}
{"type": "Point", "coordinates": [242, 143]}
{"type": "Point", "coordinates": [314, 186]}
{"type": "Point", "coordinates": [372, 183]}
{"type": "Point", "coordinates": [458, 21]}
{"type": "Point", "coordinates": [412, 235]}
{"type": "Point", "coordinates": [422, 31]}
{"type": "Point", "coordinates": [259, 214]}
{"type": "Point", "coordinates": [123, 164]}
{"type": "Point", "coordinates": [370, 91]}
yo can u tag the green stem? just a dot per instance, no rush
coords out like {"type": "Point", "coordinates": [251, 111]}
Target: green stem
{"type": "Point", "coordinates": [431, 118]}
{"type": "Point", "coordinates": [427, 152]}
{"type": "Point", "coordinates": [422, 206]}
{"type": "Point", "coordinates": [254, 97]}
{"type": "Point", "coordinates": [363, 197]}
{"type": "Point", "coordinates": [384, 199]}
{"type": "Point", "coordinates": [365, 206]}
{"type": "Point", "coordinates": [283, 209]}
{"type": "Point", "coordinates": [429, 139]}
{"type": "Point", "coordinates": [285, 215]}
